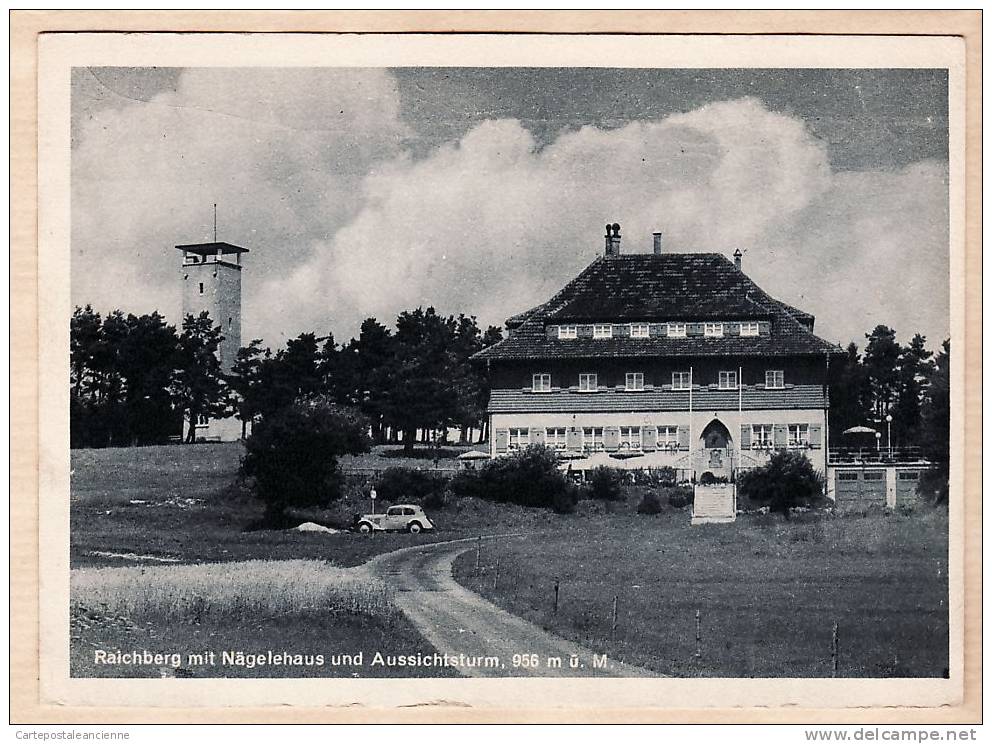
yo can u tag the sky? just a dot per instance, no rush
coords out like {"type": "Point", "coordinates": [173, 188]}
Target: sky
{"type": "Point", "coordinates": [365, 192]}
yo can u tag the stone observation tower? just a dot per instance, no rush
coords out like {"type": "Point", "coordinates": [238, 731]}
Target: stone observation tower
{"type": "Point", "coordinates": [212, 281]}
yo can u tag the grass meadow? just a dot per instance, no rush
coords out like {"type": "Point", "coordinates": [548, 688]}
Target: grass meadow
{"type": "Point", "coordinates": [767, 591]}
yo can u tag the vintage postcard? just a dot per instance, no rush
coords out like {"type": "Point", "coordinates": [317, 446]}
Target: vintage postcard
{"type": "Point", "coordinates": [501, 371]}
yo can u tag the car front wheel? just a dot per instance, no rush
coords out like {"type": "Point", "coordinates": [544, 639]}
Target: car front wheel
{"type": "Point", "coordinates": [365, 528]}
{"type": "Point", "coordinates": [414, 527]}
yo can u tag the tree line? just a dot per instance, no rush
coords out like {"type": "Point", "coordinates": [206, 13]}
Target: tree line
{"type": "Point", "coordinates": [908, 382]}
{"type": "Point", "coordinates": [136, 379]}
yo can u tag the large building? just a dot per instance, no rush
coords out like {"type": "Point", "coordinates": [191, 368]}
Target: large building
{"type": "Point", "coordinates": [212, 282]}
{"type": "Point", "coordinates": [648, 360]}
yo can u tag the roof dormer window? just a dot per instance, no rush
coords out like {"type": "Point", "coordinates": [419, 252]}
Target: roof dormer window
{"type": "Point", "coordinates": [676, 330]}
{"type": "Point", "coordinates": [750, 328]}
{"type": "Point", "coordinates": [713, 330]}
{"type": "Point", "coordinates": [568, 332]}
{"type": "Point", "coordinates": [602, 330]}
{"type": "Point", "coordinates": [640, 330]}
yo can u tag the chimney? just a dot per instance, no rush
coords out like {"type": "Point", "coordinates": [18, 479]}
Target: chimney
{"type": "Point", "coordinates": [613, 239]}
{"type": "Point", "coordinates": [737, 258]}
{"type": "Point", "coordinates": [657, 243]}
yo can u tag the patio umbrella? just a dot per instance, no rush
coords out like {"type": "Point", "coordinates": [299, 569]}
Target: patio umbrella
{"type": "Point", "coordinates": [571, 456]}
{"type": "Point", "coordinates": [473, 455]}
{"type": "Point", "coordinates": [859, 430]}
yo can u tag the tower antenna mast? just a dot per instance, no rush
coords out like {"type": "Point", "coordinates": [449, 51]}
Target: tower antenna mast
{"type": "Point", "coordinates": [215, 222]}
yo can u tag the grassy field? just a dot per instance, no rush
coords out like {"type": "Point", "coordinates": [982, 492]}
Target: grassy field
{"type": "Point", "coordinates": [767, 592]}
{"type": "Point", "coordinates": [219, 619]}
{"type": "Point", "coordinates": [180, 503]}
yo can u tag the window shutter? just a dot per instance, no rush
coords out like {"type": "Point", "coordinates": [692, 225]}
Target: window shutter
{"type": "Point", "coordinates": [781, 435]}
{"type": "Point", "coordinates": [502, 439]}
{"type": "Point", "coordinates": [683, 435]}
{"type": "Point", "coordinates": [649, 438]}
{"type": "Point", "coordinates": [537, 436]}
{"type": "Point", "coordinates": [815, 436]}
{"type": "Point", "coordinates": [611, 438]}
{"type": "Point", "coordinates": [745, 436]}
{"type": "Point", "coordinates": [552, 331]}
{"type": "Point", "coordinates": [584, 331]}
{"type": "Point", "coordinates": [573, 438]}
{"type": "Point", "coordinates": [694, 329]}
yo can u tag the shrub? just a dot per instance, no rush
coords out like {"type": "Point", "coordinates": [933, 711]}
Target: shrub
{"type": "Point", "coordinates": [409, 485]}
{"type": "Point", "coordinates": [606, 484]}
{"type": "Point", "coordinates": [528, 478]}
{"type": "Point", "coordinates": [292, 455]}
{"type": "Point", "coordinates": [787, 481]}
{"type": "Point", "coordinates": [666, 476]}
{"type": "Point", "coordinates": [680, 497]}
{"type": "Point", "coordinates": [649, 503]}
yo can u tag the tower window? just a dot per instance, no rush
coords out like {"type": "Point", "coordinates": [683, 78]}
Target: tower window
{"type": "Point", "coordinates": [230, 322]}
{"type": "Point", "coordinates": [201, 287]}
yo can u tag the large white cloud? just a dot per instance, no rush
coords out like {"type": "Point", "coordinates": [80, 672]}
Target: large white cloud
{"type": "Point", "coordinates": [344, 223]}
{"type": "Point", "coordinates": [491, 226]}
{"type": "Point", "coordinates": [282, 153]}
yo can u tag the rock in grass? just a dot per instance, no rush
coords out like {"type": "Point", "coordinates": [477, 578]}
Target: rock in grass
{"type": "Point", "coordinates": [314, 527]}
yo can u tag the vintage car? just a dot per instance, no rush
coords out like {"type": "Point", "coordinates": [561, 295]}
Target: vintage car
{"type": "Point", "coordinates": [399, 518]}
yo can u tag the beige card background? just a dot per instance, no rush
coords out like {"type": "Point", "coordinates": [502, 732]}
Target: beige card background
{"type": "Point", "coordinates": [40, 306]}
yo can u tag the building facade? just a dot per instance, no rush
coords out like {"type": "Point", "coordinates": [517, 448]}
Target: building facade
{"type": "Point", "coordinates": [662, 359]}
{"type": "Point", "coordinates": [212, 282]}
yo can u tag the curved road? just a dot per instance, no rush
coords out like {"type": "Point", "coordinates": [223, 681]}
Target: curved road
{"type": "Point", "coordinates": [462, 624]}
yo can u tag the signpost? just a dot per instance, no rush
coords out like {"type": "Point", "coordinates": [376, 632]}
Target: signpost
{"type": "Point", "coordinates": [373, 494]}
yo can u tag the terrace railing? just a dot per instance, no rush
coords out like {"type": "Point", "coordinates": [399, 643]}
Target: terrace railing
{"type": "Point", "coordinates": [874, 455]}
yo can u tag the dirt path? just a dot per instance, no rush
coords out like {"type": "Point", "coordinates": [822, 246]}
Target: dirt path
{"type": "Point", "coordinates": [462, 624]}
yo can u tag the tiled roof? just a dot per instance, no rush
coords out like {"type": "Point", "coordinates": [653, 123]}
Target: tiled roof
{"type": "Point", "coordinates": [671, 286]}
{"type": "Point", "coordinates": [518, 401]}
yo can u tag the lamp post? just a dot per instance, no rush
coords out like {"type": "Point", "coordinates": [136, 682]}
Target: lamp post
{"type": "Point", "coordinates": [878, 441]}
{"type": "Point", "coordinates": [888, 432]}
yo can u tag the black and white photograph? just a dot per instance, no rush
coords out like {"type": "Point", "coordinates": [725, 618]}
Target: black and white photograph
{"type": "Point", "coordinates": [445, 371]}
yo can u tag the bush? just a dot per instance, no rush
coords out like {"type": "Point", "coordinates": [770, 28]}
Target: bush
{"type": "Point", "coordinates": [528, 478]}
{"type": "Point", "coordinates": [292, 455]}
{"type": "Point", "coordinates": [606, 484]}
{"type": "Point", "coordinates": [409, 485]}
{"type": "Point", "coordinates": [680, 497]}
{"type": "Point", "coordinates": [649, 503]}
{"type": "Point", "coordinates": [787, 481]}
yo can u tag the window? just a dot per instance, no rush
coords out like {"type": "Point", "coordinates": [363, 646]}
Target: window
{"type": "Point", "coordinates": [847, 475]}
{"type": "Point", "coordinates": [201, 287]}
{"type": "Point", "coordinates": [749, 329]}
{"type": "Point", "coordinates": [230, 322]}
{"type": "Point", "coordinates": [588, 382]}
{"type": "Point", "coordinates": [519, 438]}
{"type": "Point", "coordinates": [635, 381]}
{"type": "Point", "coordinates": [798, 435]}
{"type": "Point", "coordinates": [668, 437]}
{"type": "Point", "coordinates": [202, 420]}
{"type": "Point", "coordinates": [602, 330]}
{"type": "Point", "coordinates": [568, 332]}
{"type": "Point", "coordinates": [592, 439]}
{"type": "Point", "coordinates": [630, 437]}
{"type": "Point", "coordinates": [675, 330]}
{"type": "Point", "coordinates": [874, 475]}
{"type": "Point", "coordinates": [761, 436]}
{"type": "Point", "coordinates": [541, 383]}
{"type": "Point", "coordinates": [908, 475]}
{"type": "Point", "coordinates": [681, 380]}
{"type": "Point", "coordinates": [640, 330]}
{"type": "Point", "coordinates": [556, 438]}
{"type": "Point", "coordinates": [713, 330]}
{"type": "Point", "coordinates": [728, 380]}
{"type": "Point", "coordinates": [774, 378]}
